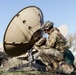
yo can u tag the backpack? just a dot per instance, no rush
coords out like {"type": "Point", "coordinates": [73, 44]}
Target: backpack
{"type": "Point", "coordinates": [69, 57]}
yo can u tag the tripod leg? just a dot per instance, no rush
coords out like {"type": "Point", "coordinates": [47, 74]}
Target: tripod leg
{"type": "Point", "coordinates": [30, 57]}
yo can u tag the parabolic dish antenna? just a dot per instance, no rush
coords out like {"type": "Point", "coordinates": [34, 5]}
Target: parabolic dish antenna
{"type": "Point", "coordinates": [18, 37]}
{"type": "Point", "coordinates": [63, 29]}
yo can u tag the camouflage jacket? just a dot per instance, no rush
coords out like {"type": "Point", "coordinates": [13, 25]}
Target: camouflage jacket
{"type": "Point", "coordinates": [56, 40]}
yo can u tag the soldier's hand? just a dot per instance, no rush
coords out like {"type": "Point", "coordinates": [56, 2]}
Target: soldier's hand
{"type": "Point", "coordinates": [36, 47]}
{"type": "Point", "coordinates": [40, 42]}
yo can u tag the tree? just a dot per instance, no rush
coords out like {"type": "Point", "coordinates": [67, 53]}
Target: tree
{"type": "Point", "coordinates": [72, 41]}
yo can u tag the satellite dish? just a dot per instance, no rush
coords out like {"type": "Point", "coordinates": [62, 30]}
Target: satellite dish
{"type": "Point", "coordinates": [64, 30]}
{"type": "Point", "coordinates": [21, 31]}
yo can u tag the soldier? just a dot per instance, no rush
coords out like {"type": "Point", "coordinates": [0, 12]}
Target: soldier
{"type": "Point", "coordinates": [52, 53]}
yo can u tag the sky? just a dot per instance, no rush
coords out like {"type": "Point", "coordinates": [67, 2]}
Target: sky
{"type": "Point", "coordinates": [58, 11]}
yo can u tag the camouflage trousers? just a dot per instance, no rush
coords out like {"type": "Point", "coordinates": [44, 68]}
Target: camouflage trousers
{"type": "Point", "coordinates": [54, 60]}
{"type": "Point", "coordinates": [50, 57]}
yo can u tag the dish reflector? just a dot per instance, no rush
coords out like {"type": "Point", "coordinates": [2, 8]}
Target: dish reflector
{"type": "Point", "coordinates": [64, 30]}
{"type": "Point", "coordinates": [20, 30]}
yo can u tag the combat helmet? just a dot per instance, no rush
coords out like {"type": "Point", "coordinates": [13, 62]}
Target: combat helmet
{"type": "Point", "coordinates": [47, 25]}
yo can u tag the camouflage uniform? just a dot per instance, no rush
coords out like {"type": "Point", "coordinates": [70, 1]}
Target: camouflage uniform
{"type": "Point", "coordinates": [56, 40]}
{"type": "Point", "coordinates": [50, 53]}
{"type": "Point", "coordinates": [53, 51]}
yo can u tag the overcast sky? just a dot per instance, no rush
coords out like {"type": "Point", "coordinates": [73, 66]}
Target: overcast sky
{"type": "Point", "coordinates": [58, 11]}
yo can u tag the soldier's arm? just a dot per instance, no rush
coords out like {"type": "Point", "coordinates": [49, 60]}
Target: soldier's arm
{"type": "Point", "coordinates": [52, 40]}
{"type": "Point", "coordinates": [40, 42]}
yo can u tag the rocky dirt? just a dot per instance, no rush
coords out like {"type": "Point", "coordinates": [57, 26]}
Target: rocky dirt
{"type": "Point", "coordinates": [25, 70]}
{"type": "Point", "coordinates": [17, 66]}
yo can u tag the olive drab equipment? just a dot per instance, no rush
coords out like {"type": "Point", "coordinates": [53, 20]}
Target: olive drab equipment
{"type": "Point", "coordinates": [19, 35]}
